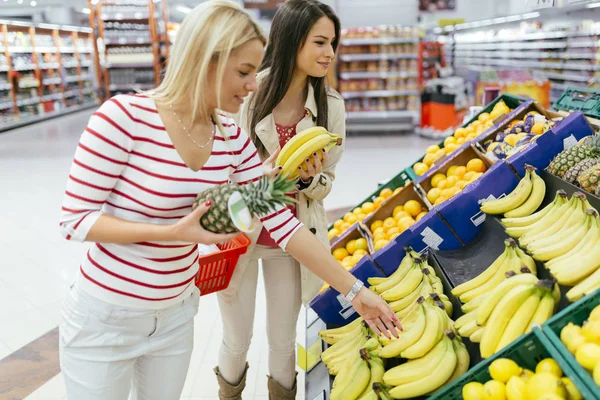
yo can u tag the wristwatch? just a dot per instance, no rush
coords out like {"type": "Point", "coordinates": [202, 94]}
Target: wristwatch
{"type": "Point", "coordinates": [354, 291]}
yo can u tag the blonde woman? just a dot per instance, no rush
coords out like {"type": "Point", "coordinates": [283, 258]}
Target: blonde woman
{"type": "Point", "coordinates": [128, 319]}
{"type": "Point", "coordinates": [293, 96]}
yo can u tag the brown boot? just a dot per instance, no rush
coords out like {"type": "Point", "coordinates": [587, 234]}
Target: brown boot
{"type": "Point", "coordinates": [226, 390]}
{"type": "Point", "coordinates": [278, 392]}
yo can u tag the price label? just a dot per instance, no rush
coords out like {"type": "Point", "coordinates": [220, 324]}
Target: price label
{"type": "Point", "coordinates": [539, 4]}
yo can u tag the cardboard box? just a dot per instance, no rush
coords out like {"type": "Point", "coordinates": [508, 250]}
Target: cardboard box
{"type": "Point", "coordinates": [332, 307]}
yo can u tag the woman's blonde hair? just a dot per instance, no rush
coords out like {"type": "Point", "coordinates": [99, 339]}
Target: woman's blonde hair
{"type": "Point", "coordinates": [209, 33]}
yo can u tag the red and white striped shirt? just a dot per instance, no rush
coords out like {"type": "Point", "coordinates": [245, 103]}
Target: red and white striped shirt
{"type": "Point", "coordinates": [126, 165]}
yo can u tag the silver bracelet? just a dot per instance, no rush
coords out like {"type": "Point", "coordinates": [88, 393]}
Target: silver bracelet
{"type": "Point", "coordinates": [354, 291]}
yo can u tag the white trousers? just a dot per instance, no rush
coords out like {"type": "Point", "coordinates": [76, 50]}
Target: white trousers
{"type": "Point", "coordinates": [283, 293]}
{"type": "Point", "coordinates": [105, 348]}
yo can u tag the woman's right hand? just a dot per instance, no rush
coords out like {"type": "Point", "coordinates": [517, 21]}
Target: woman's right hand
{"type": "Point", "coordinates": [376, 313]}
{"type": "Point", "coordinates": [188, 229]}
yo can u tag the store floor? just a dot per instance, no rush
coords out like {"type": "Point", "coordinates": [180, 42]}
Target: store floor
{"type": "Point", "coordinates": [38, 264]}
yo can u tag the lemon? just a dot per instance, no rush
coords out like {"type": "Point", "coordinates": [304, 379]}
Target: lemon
{"type": "Point", "coordinates": [515, 389]}
{"type": "Point", "coordinates": [432, 149]}
{"type": "Point", "coordinates": [472, 391]}
{"type": "Point", "coordinates": [460, 133]}
{"type": "Point", "coordinates": [357, 257]}
{"type": "Point", "coordinates": [596, 374]}
{"type": "Point", "coordinates": [348, 215]}
{"type": "Point", "coordinates": [377, 202]}
{"type": "Point", "coordinates": [351, 246]}
{"type": "Point", "coordinates": [572, 337]}
{"type": "Point", "coordinates": [338, 224]}
{"type": "Point", "coordinates": [461, 184]}
{"type": "Point", "coordinates": [451, 181]}
{"type": "Point", "coordinates": [401, 214]}
{"type": "Point", "coordinates": [406, 223]}
{"type": "Point", "coordinates": [421, 215]}
{"type": "Point", "coordinates": [386, 192]}
{"type": "Point", "coordinates": [451, 147]}
{"type": "Point", "coordinates": [413, 207]}
{"type": "Point", "coordinates": [588, 355]}
{"type": "Point", "coordinates": [361, 217]}
{"type": "Point", "coordinates": [392, 232]}
{"type": "Point", "coordinates": [451, 170]}
{"type": "Point", "coordinates": [595, 314]}
{"type": "Point", "coordinates": [398, 190]}
{"type": "Point", "coordinates": [368, 207]}
{"type": "Point", "coordinates": [380, 244]}
{"type": "Point", "coordinates": [360, 244]}
{"type": "Point", "coordinates": [449, 140]}
{"type": "Point", "coordinates": [379, 236]}
{"type": "Point", "coordinates": [503, 369]}
{"type": "Point", "coordinates": [332, 233]}
{"type": "Point", "coordinates": [572, 391]}
{"type": "Point", "coordinates": [549, 365]}
{"type": "Point", "coordinates": [340, 253]}
{"type": "Point", "coordinates": [361, 252]}
{"type": "Point", "coordinates": [440, 200]}
{"type": "Point", "coordinates": [476, 165]}
{"type": "Point", "coordinates": [435, 180]}
{"type": "Point", "coordinates": [494, 390]}
{"type": "Point", "coordinates": [348, 262]}
{"type": "Point", "coordinates": [431, 157]}
{"type": "Point", "coordinates": [526, 374]}
{"type": "Point", "coordinates": [433, 194]}
{"type": "Point", "coordinates": [460, 141]}
{"type": "Point", "coordinates": [544, 383]}
{"type": "Point", "coordinates": [483, 117]}
{"type": "Point", "coordinates": [388, 223]}
{"type": "Point", "coordinates": [443, 184]}
{"type": "Point", "coordinates": [420, 168]}
{"type": "Point", "coordinates": [375, 225]}
{"type": "Point", "coordinates": [397, 210]}
{"type": "Point", "coordinates": [346, 226]}
{"type": "Point", "coordinates": [551, 396]}
{"type": "Point", "coordinates": [591, 331]}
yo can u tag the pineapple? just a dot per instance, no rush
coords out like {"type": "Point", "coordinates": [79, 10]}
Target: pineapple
{"type": "Point", "coordinates": [260, 198]}
{"type": "Point", "coordinates": [568, 158]}
{"type": "Point", "coordinates": [589, 180]}
{"type": "Point", "coordinates": [573, 173]}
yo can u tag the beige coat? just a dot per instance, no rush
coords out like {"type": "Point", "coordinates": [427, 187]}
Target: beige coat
{"type": "Point", "coordinates": [310, 210]}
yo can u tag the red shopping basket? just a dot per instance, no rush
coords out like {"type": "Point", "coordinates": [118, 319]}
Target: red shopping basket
{"type": "Point", "coordinates": [216, 269]}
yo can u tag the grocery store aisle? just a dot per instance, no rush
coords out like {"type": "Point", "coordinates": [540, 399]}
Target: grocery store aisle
{"type": "Point", "coordinates": [38, 264]}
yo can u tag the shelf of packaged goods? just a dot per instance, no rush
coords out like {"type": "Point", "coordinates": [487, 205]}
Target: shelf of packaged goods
{"type": "Point", "coordinates": [130, 65]}
{"type": "Point", "coordinates": [380, 75]}
{"type": "Point", "coordinates": [50, 97]}
{"type": "Point", "coordinates": [27, 67]}
{"type": "Point", "coordinates": [531, 64]}
{"type": "Point", "coordinates": [29, 85]}
{"type": "Point", "coordinates": [383, 40]}
{"type": "Point", "coordinates": [528, 54]}
{"type": "Point", "coordinates": [5, 86]}
{"type": "Point", "coordinates": [566, 77]}
{"type": "Point", "coordinates": [572, 45]}
{"type": "Point", "coordinates": [130, 87]}
{"type": "Point", "coordinates": [28, 102]}
{"type": "Point", "coordinates": [71, 93]}
{"type": "Point", "coordinates": [42, 117]}
{"type": "Point", "coordinates": [126, 16]}
{"type": "Point", "coordinates": [382, 115]}
{"type": "Point", "coordinates": [508, 46]}
{"type": "Point", "coordinates": [3, 68]}
{"type": "Point", "coordinates": [70, 79]}
{"type": "Point", "coordinates": [52, 81]}
{"type": "Point", "coordinates": [71, 49]}
{"type": "Point", "coordinates": [377, 56]}
{"type": "Point", "coordinates": [378, 126]}
{"type": "Point", "coordinates": [379, 93]}
{"type": "Point", "coordinates": [125, 41]}
{"type": "Point", "coordinates": [54, 65]}
{"type": "Point", "coordinates": [6, 105]}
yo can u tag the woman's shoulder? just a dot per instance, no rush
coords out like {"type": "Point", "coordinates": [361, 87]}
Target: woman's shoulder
{"type": "Point", "coordinates": [231, 127]}
{"type": "Point", "coordinates": [335, 100]}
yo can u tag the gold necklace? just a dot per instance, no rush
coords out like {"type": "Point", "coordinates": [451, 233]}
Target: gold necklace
{"type": "Point", "coordinates": [187, 133]}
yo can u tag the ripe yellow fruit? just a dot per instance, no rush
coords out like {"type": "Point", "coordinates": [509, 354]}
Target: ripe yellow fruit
{"type": "Point", "coordinates": [468, 176]}
{"type": "Point", "coordinates": [386, 192]}
{"type": "Point", "coordinates": [338, 224]}
{"type": "Point", "coordinates": [572, 391]}
{"type": "Point", "coordinates": [511, 139]}
{"type": "Point", "coordinates": [346, 226]}
{"type": "Point", "coordinates": [449, 140]}
{"type": "Point", "coordinates": [413, 207]}
{"type": "Point", "coordinates": [379, 230]}
{"type": "Point", "coordinates": [357, 257]}
{"type": "Point", "coordinates": [430, 158]}
{"type": "Point", "coordinates": [451, 170]}
{"type": "Point", "coordinates": [432, 149]}
{"type": "Point", "coordinates": [537, 128]}
{"type": "Point", "coordinates": [595, 314]}
{"type": "Point", "coordinates": [420, 168]}
{"type": "Point", "coordinates": [460, 172]}
{"type": "Point", "coordinates": [476, 176]}
{"type": "Point", "coordinates": [397, 209]}
{"type": "Point", "coordinates": [348, 216]}
{"type": "Point", "coordinates": [483, 117]}
{"type": "Point", "coordinates": [433, 194]}
{"type": "Point", "coordinates": [439, 154]}
{"type": "Point", "coordinates": [472, 391]}
{"type": "Point", "coordinates": [596, 374]}
{"type": "Point", "coordinates": [503, 369]}
{"type": "Point", "coordinates": [368, 207]}
{"type": "Point", "coordinates": [377, 202]}
{"type": "Point", "coordinates": [361, 217]}
{"type": "Point", "coordinates": [333, 233]}
{"type": "Point", "coordinates": [361, 252]}
{"type": "Point", "coordinates": [549, 365]}
{"type": "Point", "coordinates": [451, 147]}
{"type": "Point", "coordinates": [375, 225]}
{"type": "Point", "coordinates": [421, 215]}
{"type": "Point", "coordinates": [460, 133]}
{"type": "Point", "coordinates": [392, 231]}
{"type": "Point", "coordinates": [451, 181]}
{"type": "Point", "coordinates": [351, 219]}
{"type": "Point", "coordinates": [439, 201]}
{"type": "Point", "coordinates": [360, 244]}
{"type": "Point", "coordinates": [347, 262]}
{"type": "Point", "coordinates": [591, 331]}
{"type": "Point", "coordinates": [388, 223]}
{"type": "Point", "coordinates": [588, 355]}
{"type": "Point", "coordinates": [476, 165]}
{"type": "Point", "coordinates": [357, 211]}
{"type": "Point", "coordinates": [379, 236]}
{"type": "Point", "coordinates": [516, 388]}
{"type": "Point", "coordinates": [405, 223]}
{"type": "Point", "coordinates": [380, 244]}
{"type": "Point", "coordinates": [461, 184]}
{"type": "Point", "coordinates": [475, 124]}
{"type": "Point", "coordinates": [460, 141]}
{"type": "Point", "coordinates": [436, 179]}
{"type": "Point", "coordinates": [398, 190]}
{"type": "Point", "coordinates": [340, 253]}
{"type": "Point", "coordinates": [443, 184]}
{"type": "Point", "coordinates": [351, 246]}
{"type": "Point", "coordinates": [401, 215]}
{"type": "Point", "coordinates": [446, 193]}
{"type": "Point", "coordinates": [494, 390]}
{"type": "Point", "coordinates": [544, 383]}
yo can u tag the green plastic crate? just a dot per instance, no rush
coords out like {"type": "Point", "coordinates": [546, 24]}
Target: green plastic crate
{"type": "Point", "coordinates": [585, 100]}
{"type": "Point", "coordinates": [510, 100]}
{"type": "Point", "coordinates": [575, 313]}
{"type": "Point", "coordinates": [400, 180]}
{"type": "Point", "coordinates": [526, 351]}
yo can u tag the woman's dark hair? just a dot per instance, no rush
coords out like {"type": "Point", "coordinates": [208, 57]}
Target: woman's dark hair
{"type": "Point", "coordinates": [289, 31]}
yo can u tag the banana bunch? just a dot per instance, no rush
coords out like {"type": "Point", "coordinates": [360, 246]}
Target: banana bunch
{"type": "Point", "coordinates": [447, 360]}
{"type": "Point", "coordinates": [523, 201]}
{"type": "Point", "coordinates": [413, 278]}
{"type": "Point", "coordinates": [512, 261]}
{"type": "Point", "coordinates": [347, 341]}
{"type": "Point", "coordinates": [302, 147]}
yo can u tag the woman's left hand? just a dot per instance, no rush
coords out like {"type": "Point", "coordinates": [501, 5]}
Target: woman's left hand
{"type": "Point", "coordinates": [377, 313]}
{"type": "Point", "coordinates": [313, 168]}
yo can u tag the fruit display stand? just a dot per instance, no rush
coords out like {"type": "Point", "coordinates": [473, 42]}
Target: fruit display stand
{"type": "Point", "coordinates": [526, 351]}
{"type": "Point", "coordinates": [585, 100]}
{"type": "Point", "coordinates": [576, 313]}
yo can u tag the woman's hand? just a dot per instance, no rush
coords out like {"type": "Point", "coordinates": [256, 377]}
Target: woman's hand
{"type": "Point", "coordinates": [376, 312]}
{"type": "Point", "coordinates": [313, 168]}
{"type": "Point", "coordinates": [188, 229]}
{"type": "Point", "coordinates": [269, 165]}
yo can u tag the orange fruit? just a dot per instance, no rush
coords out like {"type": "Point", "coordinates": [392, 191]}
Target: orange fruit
{"type": "Point", "coordinates": [389, 223]}
{"type": "Point", "coordinates": [413, 207]}
{"type": "Point", "coordinates": [385, 193]}
{"type": "Point", "coordinates": [340, 253]}
{"type": "Point", "coordinates": [420, 168]}
{"type": "Point", "coordinates": [476, 165]}
{"type": "Point", "coordinates": [351, 246]}
{"type": "Point", "coordinates": [436, 179]}
{"type": "Point", "coordinates": [375, 225]}
{"type": "Point", "coordinates": [433, 194]}
{"type": "Point", "coordinates": [432, 149]}
{"type": "Point", "coordinates": [377, 202]}
{"type": "Point", "coordinates": [380, 244]}
{"type": "Point", "coordinates": [397, 210]}
{"type": "Point", "coordinates": [368, 207]}
{"type": "Point", "coordinates": [338, 224]}
{"type": "Point", "coordinates": [401, 214]}
{"type": "Point", "coordinates": [421, 215]}
{"type": "Point", "coordinates": [361, 244]}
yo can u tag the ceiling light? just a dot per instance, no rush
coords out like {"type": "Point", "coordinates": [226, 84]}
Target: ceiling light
{"type": "Point", "coordinates": [33, 3]}
{"type": "Point", "coordinates": [86, 10]}
{"type": "Point", "coordinates": [183, 9]}
{"type": "Point", "coordinates": [20, 1]}
{"type": "Point", "coordinates": [593, 5]}
{"type": "Point", "coordinates": [531, 15]}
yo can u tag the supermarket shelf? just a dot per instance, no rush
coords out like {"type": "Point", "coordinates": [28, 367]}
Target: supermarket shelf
{"type": "Point", "coordinates": [370, 57]}
{"type": "Point", "coordinates": [72, 93]}
{"type": "Point", "coordinates": [27, 67]}
{"type": "Point", "coordinates": [524, 54]}
{"type": "Point", "coordinates": [5, 86]}
{"type": "Point", "coordinates": [529, 36]}
{"type": "Point", "coordinates": [362, 115]}
{"type": "Point", "coordinates": [566, 77]}
{"type": "Point", "coordinates": [29, 85]}
{"type": "Point", "coordinates": [381, 127]}
{"type": "Point", "coordinates": [130, 65]}
{"type": "Point", "coordinates": [384, 40]}
{"type": "Point", "coordinates": [6, 105]}
{"type": "Point", "coordinates": [127, 16]}
{"type": "Point", "coordinates": [52, 81]}
{"type": "Point", "coordinates": [50, 97]}
{"type": "Point", "coordinates": [28, 102]}
{"type": "Point", "coordinates": [122, 41]}
{"type": "Point", "coordinates": [379, 93]}
{"type": "Point", "coordinates": [530, 64]}
{"type": "Point", "coordinates": [3, 68]}
{"type": "Point", "coordinates": [381, 75]}
{"type": "Point", "coordinates": [38, 118]}
{"type": "Point", "coordinates": [130, 87]}
{"type": "Point", "coordinates": [508, 46]}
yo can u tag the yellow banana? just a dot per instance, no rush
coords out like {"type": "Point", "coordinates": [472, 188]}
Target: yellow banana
{"type": "Point", "coordinates": [501, 316]}
{"type": "Point", "coordinates": [587, 244]}
{"type": "Point", "coordinates": [332, 336]}
{"type": "Point", "coordinates": [463, 360]}
{"type": "Point", "coordinates": [580, 267]}
{"type": "Point", "coordinates": [405, 266]}
{"type": "Point", "coordinates": [405, 287]}
{"type": "Point", "coordinates": [484, 276]}
{"type": "Point", "coordinates": [411, 298]}
{"type": "Point", "coordinates": [297, 141]}
{"type": "Point", "coordinates": [495, 297]}
{"type": "Point", "coordinates": [465, 319]}
{"type": "Point", "coordinates": [520, 321]}
{"type": "Point", "coordinates": [345, 376]}
{"type": "Point", "coordinates": [408, 337]}
{"type": "Point", "coordinates": [511, 201]}
{"type": "Point", "coordinates": [562, 246]}
{"type": "Point", "coordinates": [586, 286]}
{"type": "Point", "coordinates": [432, 335]}
{"type": "Point", "coordinates": [336, 365]}
{"type": "Point", "coordinates": [341, 347]}
{"type": "Point", "coordinates": [316, 144]}
{"type": "Point", "coordinates": [358, 383]}
{"type": "Point", "coordinates": [559, 199]}
{"type": "Point", "coordinates": [539, 226]}
{"type": "Point", "coordinates": [468, 329]}
{"type": "Point", "coordinates": [377, 372]}
{"type": "Point", "coordinates": [535, 199]}
{"type": "Point", "coordinates": [543, 312]}
{"type": "Point", "coordinates": [527, 260]}
{"type": "Point", "coordinates": [473, 304]}
{"type": "Point", "coordinates": [477, 335]}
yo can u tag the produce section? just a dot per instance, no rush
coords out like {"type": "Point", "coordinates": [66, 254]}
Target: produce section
{"type": "Point", "coordinates": [488, 266]}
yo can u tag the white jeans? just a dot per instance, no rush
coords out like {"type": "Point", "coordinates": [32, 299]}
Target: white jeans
{"type": "Point", "coordinates": [283, 292]}
{"type": "Point", "coordinates": [104, 348]}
